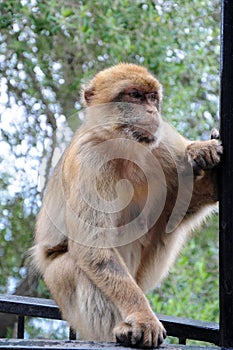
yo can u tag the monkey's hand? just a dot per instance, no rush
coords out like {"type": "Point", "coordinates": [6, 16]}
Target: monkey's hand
{"type": "Point", "coordinates": [205, 155]}
{"type": "Point", "coordinates": [140, 330]}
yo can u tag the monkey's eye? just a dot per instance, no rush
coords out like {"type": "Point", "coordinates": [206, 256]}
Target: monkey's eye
{"type": "Point", "coordinates": [152, 96]}
{"type": "Point", "coordinates": [135, 94]}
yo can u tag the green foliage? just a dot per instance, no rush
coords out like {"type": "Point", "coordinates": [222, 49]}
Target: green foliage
{"type": "Point", "coordinates": [46, 329]}
{"type": "Point", "coordinates": [16, 229]}
{"type": "Point", "coordinates": [191, 290]}
{"type": "Point", "coordinates": [179, 43]}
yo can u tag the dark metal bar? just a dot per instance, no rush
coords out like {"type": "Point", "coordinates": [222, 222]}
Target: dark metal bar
{"type": "Point", "coordinates": [43, 344]}
{"type": "Point", "coordinates": [182, 340]}
{"type": "Point", "coordinates": [20, 330]}
{"type": "Point", "coordinates": [175, 326]}
{"type": "Point", "coordinates": [226, 178]}
{"type": "Point", "coordinates": [72, 335]}
{"type": "Point", "coordinates": [37, 307]}
{"type": "Point", "coordinates": [191, 329]}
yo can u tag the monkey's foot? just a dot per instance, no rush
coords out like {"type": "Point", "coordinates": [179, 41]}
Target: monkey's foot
{"type": "Point", "coordinates": [140, 331]}
{"type": "Point", "coordinates": [204, 154]}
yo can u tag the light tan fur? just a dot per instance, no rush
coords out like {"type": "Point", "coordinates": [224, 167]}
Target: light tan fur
{"type": "Point", "coordinates": [99, 279]}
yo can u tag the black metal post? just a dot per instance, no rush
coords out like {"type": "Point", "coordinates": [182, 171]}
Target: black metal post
{"type": "Point", "coordinates": [226, 178]}
{"type": "Point", "coordinates": [182, 340]}
{"type": "Point", "coordinates": [72, 335]}
{"type": "Point", "coordinates": [20, 330]}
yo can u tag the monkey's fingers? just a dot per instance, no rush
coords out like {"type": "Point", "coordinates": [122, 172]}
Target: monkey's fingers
{"type": "Point", "coordinates": [215, 134]}
{"type": "Point", "coordinates": [204, 155]}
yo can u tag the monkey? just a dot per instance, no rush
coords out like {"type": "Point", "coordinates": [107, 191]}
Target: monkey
{"type": "Point", "coordinates": [125, 196]}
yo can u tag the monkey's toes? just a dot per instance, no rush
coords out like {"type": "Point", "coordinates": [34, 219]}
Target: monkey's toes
{"type": "Point", "coordinates": [140, 335]}
{"type": "Point", "coordinates": [126, 336]}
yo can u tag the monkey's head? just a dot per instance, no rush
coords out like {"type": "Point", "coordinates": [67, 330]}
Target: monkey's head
{"type": "Point", "coordinates": [138, 96]}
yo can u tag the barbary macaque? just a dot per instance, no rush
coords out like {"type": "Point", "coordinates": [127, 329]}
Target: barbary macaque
{"type": "Point", "coordinates": [122, 201]}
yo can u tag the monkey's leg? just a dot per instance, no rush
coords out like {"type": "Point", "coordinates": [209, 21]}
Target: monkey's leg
{"type": "Point", "coordinates": [108, 273]}
{"type": "Point", "coordinates": [82, 304]}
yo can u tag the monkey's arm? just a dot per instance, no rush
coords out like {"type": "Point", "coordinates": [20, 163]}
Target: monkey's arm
{"type": "Point", "coordinates": [204, 156]}
{"type": "Point", "coordinates": [106, 269]}
{"type": "Point", "coordinates": [201, 155]}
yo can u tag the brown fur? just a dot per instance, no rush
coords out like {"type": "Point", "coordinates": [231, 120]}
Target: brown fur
{"type": "Point", "coordinates": [110, 82]}
{"type": "Point", "coordinates": [99, 279]}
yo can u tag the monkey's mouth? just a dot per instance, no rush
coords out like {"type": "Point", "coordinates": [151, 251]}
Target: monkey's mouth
{"type": "Point", "coordinates": [142, 133]}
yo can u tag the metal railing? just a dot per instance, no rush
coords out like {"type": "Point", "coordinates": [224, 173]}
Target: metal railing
{"type": "Point", "coordinates": [181, 328]}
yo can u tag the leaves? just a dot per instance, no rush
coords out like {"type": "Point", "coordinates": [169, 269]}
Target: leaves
{"type": "Point", "coordinates": [191, 290]}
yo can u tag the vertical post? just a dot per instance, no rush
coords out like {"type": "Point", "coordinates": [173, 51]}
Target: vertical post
{"type": "Point", "coordinates": [226, 178]}
{"type": "Point", "coordinates": [20, 330]}
{"type": "Point", "coordinates": [72, 335]}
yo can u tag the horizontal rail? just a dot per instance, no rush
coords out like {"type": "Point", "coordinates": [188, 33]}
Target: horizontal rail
{"type": "Point", "coordinates": [33, 344]}
{"type": "Point", "coordinates": [182, 328]}
{"type": "Point", "coordinates": [191, 329]}
{"type": "Point", "coordinates": [27, 306]}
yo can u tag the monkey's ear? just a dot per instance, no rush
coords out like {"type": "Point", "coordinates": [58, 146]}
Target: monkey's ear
{"type": "Point", "coordinates": [88, 94]}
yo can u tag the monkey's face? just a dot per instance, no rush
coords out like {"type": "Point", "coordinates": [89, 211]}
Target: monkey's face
{"type": "Point", "coordinates": [133, 97]}
{"type": "Point", "coordinates": [139, 110]}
